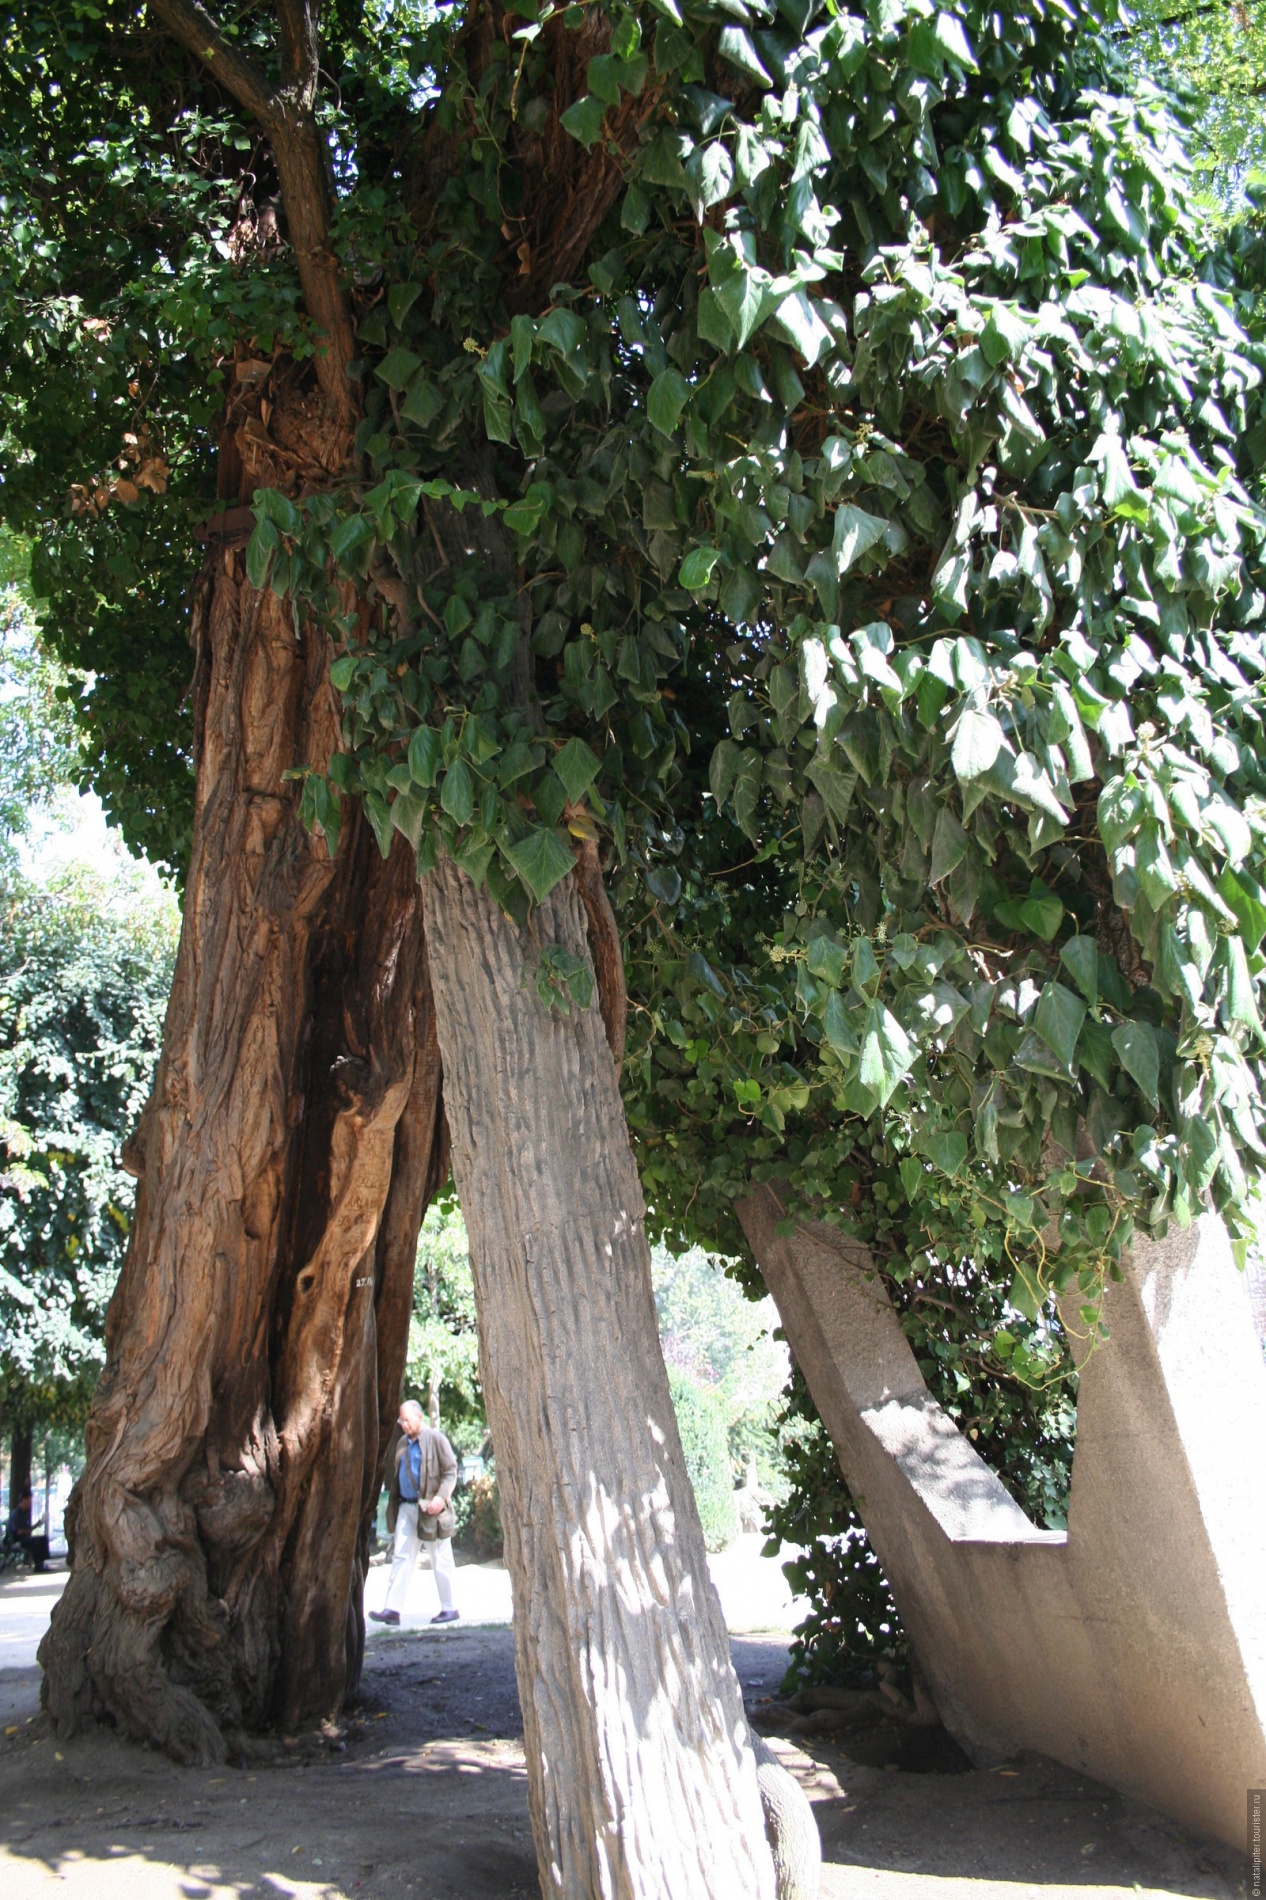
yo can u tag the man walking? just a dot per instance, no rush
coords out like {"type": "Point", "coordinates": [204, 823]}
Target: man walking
{"type": "Point", "coordinates": [420, 1507]}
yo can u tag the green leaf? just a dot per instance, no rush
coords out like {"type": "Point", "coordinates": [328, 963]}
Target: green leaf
{"type": "Point", "coordinates": [1041, 912]}
{"type": "Point", "coordinates": [1247, 900]}
{"type": "Point", "coordinates": [978, 739]}
{"type": "Point", "coordinates": [1241, 1002]}
{"type": "Point", "coordinates": [836, 787]}
{"type": "Point", "coordinates": [343, 672]}
{"type": "Point", "coordinates": [949, 845]}
{"type": "Point", "coordinates": [827, 959]}
{"type": "Point", "coordinates": [349, 534]}
{"type": "Point", "coordinates": [709, 176]}
{"type": "Point", "coordinates": [668, 396]}
{"type": "Point", "coordinates": [948, 1152]}
{"type": "Point", "coordinates": [1080, 957]}
{"type": "Point", "coordinates": [1026, 1294]}
{"type": "Point", "coordinates": [577, 767]}
{"type": "Point", "coordinates": [751, 156]}
{"type": "Point", "coordinates": [1094, 1052]}
{"type": "Point", "coordinates": [747, 298]}
{"type": "Point", "coordinates": [457, 792]}
{"type": "Point", "coordinates": [401, 299]}
{"type": "Point", "coordinates": [408, 813]}
{"type": "Point", "coordinates": [426, 749]}
{"type": "Point", "coordinates": [887, 1053]}
{"type": "Point", "coordinates": [542, 860]}
{"type": "Point", "coordinates": [696, 569]}
{"type": "Point", "coordinates": [1138, 1052]}
{"type": "Point", "coordinates": [855, 532]}
{"type": "Point", "coordinates": [910, 1168]}
{"type": "Point", "coordinates": [737, 47]}
{"type": "Point", "coordinates": [260, 550]}
{"type": "Point", "coordinates": [584, 122]}
{"type": "Point", "coordinates": [398, 365]}
{"type": "Point", "coordinates": [1058, 1019]}
{"type": "Point", "coordinates": [952, 41]}
{"type": "Point", "coordinates": [379, 815]}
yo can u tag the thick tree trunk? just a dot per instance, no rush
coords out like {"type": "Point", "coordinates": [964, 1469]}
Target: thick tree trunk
{"type": "Point", "coordinates": [256, 1339]}
{"type": "Point", "coordinates": [642, 1779]}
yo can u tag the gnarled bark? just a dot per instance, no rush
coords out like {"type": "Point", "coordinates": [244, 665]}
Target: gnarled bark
{"type": "Point", "coordinates": [256, 1339]}
{"type": "Point", "coordinates": [641, 1774]}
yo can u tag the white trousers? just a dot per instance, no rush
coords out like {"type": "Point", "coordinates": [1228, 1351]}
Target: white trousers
{"type": "Point", "coordinates": [405, 1555]}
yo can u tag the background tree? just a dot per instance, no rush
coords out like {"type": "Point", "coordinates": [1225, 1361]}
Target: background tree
{"type": "Point", "coordinates": [1214, 55]}
{"type": "Point", "coordinates": [443, 1360]}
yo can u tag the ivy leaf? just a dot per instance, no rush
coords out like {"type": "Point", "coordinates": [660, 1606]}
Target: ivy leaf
{"type": "Point", "coordinates": [542, 860]}
{"type": "Point", "coordinates": [978, 739]}
{"type": "Point", "coordinates": [343, 672]}
{"type": "Point", "coordinates": [1058, 1019]}
{"type": "Point", "coordinates": [855, 532]}
{"type": "Point", "coordinates": [1080, 957]}
{"type": "Point", "coordinates": [949, 845]}
{"type": "Point", "coordinates": [668, 396]}
{"type": "Point", "coordinates": [709, 176]}
{"type": "Point", "coordinates": [379, 815]}
{"type": "Point", "coordinates": [1138, 1052]}
{"type": "Point", "coordinates": [952, 41]}
{"type": "Point", "coordinates": [425, 751]}
{"type": "Point", "coordinates": [408, 812]}
{"type": "Point", "coordinates": [1041, 912]}
{"type": "Point", "coordinates": [397, 366]}
{"type": "Point", "coordinates": [747, 299]}
{"type": "Point", "coordinates": [457, 793]}
{"type": "Point", "coordinates": [826, 959]}
{"type": "Point", "coordinates": [261, 548]}
{"type": "Point", "coordinates": [577, 767]}
{"type": "Point", "coordinates": [1247, 900]}
{"type": "Point", "coordinates": [751, 156]}
{"type": "Point", "coordinates": [696, 569]}
{"type": "Point", "coordinates": [584, 122]}
{"type": "Point", "coordinates": [886, 1054]}
{"type": "Point", "coordinates": [737, 48]}
{"type": "Point", "coordinates": [948, 1152]}
{"type": "Point", "coordinates": [349, 534]}
{"type": "Point", "coordinates": [401, 299]}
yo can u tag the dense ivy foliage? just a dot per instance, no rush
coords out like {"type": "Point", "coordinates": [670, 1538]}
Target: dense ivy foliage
{"type": "Point", "coordinates": [861, 545]}
{"type": "Point", "coordinates": [84, 973]}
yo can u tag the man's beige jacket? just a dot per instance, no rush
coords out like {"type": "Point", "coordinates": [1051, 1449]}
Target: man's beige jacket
{"type": "Point", "coordinates": [438, 1480]}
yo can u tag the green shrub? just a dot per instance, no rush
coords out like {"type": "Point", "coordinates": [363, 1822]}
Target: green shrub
{"type": "Point", "coordinates": [701, 1421]}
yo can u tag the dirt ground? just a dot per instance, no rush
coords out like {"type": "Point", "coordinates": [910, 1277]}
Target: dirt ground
{"type": "Point", "coordinates": [426, 1795]}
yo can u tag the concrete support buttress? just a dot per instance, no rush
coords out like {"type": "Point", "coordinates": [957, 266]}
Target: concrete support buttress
{"type": "Point", "coordinates": [1133, 1646]}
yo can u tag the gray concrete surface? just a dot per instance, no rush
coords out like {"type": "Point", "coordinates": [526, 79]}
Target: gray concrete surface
{"type": "Point", "coordinates": [1131, 1648]}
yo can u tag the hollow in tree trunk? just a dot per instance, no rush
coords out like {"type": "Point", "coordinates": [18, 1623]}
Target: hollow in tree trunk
{"type": "Point", "coordinates": [256, 1339]}
{"type": "Point", "coordinates": [641, 1775]}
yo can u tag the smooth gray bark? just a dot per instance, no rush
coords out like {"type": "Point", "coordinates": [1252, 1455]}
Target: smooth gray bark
{"type": "Point", "coordinates": [642, 1778]}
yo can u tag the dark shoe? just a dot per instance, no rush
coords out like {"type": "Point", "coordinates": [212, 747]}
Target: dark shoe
{"type": "Point", "coordinates": [384, 1616]}
{"type": "Point", "coordinates": [447, 1616]}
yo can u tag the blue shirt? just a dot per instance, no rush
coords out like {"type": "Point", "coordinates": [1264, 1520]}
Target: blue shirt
{"type": "Point", "coordinates": [411, 1472]}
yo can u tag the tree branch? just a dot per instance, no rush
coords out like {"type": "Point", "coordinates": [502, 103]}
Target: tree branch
{"type": "Point", "coordinates": [288, 118]}
{"type": "Point", "coordinates": [300, 49]}
{"type": "Point", "coordinates": [193, 26]}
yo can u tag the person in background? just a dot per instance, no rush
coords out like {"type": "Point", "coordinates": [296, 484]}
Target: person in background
{"type": "Point", "coordinates": [419, 1508]}
{"type": "Point", "coordinates": [20, 1530]}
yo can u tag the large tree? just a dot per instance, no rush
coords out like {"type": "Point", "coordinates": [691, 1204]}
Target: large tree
{"type": "Point", "coordinates": [624, 371]}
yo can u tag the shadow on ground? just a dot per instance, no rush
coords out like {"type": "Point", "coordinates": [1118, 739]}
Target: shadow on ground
{"type": "Point", "coordinates": [426, 1795]}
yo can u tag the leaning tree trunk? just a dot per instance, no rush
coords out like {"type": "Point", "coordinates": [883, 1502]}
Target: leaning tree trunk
{"type": "Point", "coordinates": [642, 1779]}
{"type": "Point", "coordinates": [256, 1339]}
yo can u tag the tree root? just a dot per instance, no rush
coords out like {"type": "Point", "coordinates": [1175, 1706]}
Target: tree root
{"type": "Point", "coordinates": [790, 1828]}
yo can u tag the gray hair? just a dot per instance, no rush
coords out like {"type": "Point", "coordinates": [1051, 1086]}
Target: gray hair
{"type": "Point", "coordinates": [412, 1407]}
